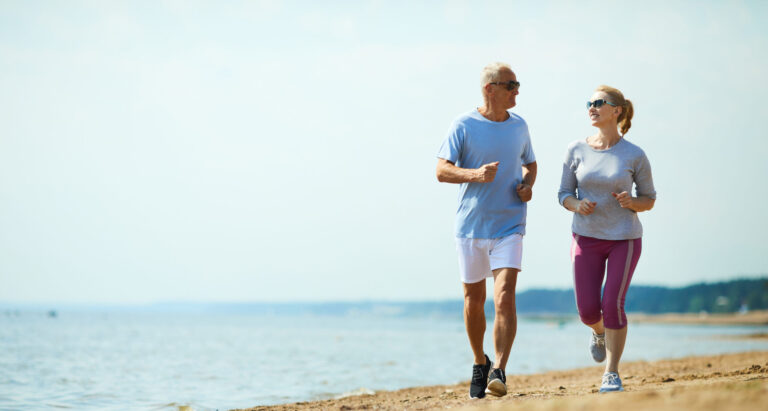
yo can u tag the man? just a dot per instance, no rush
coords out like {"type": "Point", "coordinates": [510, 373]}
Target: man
{"type": "Point", "coordinates": [488, 151]}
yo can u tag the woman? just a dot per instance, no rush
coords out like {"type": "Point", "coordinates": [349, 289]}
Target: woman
{"type": "Point", "coordinates": [596, 186]}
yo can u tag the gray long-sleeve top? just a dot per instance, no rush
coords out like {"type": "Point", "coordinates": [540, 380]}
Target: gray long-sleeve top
{"type": "Point", "coordinates": [595, 174]}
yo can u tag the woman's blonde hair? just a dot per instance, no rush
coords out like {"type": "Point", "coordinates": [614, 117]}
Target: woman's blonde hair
{"type": "Point", "coordinates": [627, 111]}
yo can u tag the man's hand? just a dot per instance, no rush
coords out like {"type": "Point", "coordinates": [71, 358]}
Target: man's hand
{"type": "Point", "coordinates": [624, 199]}
{"type": "Point", "coordinates": [525, 192]}
{"type": "Point", "coordinates": [487, 172]}
{"type": "Point", "coordinates": [586, 207]}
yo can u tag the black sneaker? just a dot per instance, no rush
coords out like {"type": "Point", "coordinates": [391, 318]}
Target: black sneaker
{"type": "Point", "coordinates": [479, 379]}
{"type": "Point", "coordinates": [497, 383]}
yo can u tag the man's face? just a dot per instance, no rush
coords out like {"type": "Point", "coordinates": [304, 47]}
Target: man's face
{"type": "Point", "coordinates": [499, 92]}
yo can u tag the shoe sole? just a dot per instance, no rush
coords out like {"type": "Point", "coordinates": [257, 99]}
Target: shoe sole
{"type": "Point", "coordinates": [497, 388]}
{"type": "Point", "coordinates": [598, 360]}
{"type": "Point", "coordinates": [608, 391]}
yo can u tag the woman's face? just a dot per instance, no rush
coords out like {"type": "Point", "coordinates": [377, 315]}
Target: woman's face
{"type": "Point", "coordinates": [605, 114]}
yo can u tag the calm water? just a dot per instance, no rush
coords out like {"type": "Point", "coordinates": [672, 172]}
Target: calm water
{"type": "Point", "coordinates": [161, 361]}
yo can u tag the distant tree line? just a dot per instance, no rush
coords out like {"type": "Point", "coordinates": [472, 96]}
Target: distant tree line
{"type": "Point", "coordinates": [722, 297]}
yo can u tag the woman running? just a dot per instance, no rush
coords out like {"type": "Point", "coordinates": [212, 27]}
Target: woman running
{"type": "Point", "coordinates": [596, 186]}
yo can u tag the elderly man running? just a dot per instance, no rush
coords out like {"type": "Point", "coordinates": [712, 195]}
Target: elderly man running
{"type": "Point", "coordinates": [488, 152]}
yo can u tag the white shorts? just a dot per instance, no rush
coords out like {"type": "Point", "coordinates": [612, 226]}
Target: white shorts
{"type": "Point", "coordinates": [478, 257]}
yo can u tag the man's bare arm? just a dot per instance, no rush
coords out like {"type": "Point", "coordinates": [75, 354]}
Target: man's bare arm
{"type": "Point", "coordinates": [448, 172]}
{"type": "Point", "coordinates": [525, 188]}
{"type": "Point", "coordinates": [529, 173]}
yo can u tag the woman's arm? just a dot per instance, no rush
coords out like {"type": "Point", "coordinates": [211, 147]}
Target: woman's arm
{"type": "Point", "coordinates": [637, 204]}
{"type": "Point", "coordinates": [583, 207]}
{"type": "Point", "coordinates": [567, 193]}
{"type": "Point", "coordinates": [646, 193]}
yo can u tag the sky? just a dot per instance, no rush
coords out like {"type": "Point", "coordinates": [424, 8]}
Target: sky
{"type": "Point", "coordinates": [191, 151]}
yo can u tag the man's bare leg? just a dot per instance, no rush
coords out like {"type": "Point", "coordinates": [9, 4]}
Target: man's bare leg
{"type": "Point", "coordinates": [505, 323]}
{"type": "Point", "coordinates": [474, 317]}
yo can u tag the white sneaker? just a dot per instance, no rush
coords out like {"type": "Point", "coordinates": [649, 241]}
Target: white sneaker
{"type": "Point", "coordinates": [611, 383]}
{"type": "Point", "coordinates": [597, 347]}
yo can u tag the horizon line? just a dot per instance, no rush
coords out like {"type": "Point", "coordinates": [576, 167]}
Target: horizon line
{"type": "Point", "coordinates": [6, 304]}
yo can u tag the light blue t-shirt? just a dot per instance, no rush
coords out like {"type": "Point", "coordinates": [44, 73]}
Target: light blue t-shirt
{"type": "Point", "coordinates": [489, 210]}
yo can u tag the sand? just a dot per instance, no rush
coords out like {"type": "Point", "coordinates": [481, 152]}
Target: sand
{"type": "Point", "coordinates": [759, 317]}
{"type": "Point", "coordinates": [721, 382]}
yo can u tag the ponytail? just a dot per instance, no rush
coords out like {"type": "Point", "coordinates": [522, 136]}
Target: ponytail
{"type": "Point", "coordinates": [625, 118]}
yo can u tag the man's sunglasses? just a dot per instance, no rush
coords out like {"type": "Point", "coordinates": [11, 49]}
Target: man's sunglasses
{"type": "Point", "coordinates": [599, 103]}
{"type": "Point", "coordinates": [511, 84]}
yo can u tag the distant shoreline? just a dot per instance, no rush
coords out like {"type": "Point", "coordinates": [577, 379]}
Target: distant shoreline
{"type": "Point", "coordinates": [751, 318]}
{"type": "Point", "coordinates": [703, 383]}
{"type": "Point", "coordinates": [755, 318]}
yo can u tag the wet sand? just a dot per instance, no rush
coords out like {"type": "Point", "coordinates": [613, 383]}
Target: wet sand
{"type": "Point", "coordinates": [721, 382]}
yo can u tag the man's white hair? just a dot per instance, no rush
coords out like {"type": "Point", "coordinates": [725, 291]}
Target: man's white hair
{"type": "Point", "coordinates": [491, 73]}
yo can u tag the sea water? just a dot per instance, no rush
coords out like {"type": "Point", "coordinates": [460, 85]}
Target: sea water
{"type": "Point", "coordinates": [93, 359]}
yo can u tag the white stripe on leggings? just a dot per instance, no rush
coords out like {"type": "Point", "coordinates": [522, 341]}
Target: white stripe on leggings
{"type": "Point", "coordinates": [627, 265]}
{"type": "Point", "coordinates": [573, 269]}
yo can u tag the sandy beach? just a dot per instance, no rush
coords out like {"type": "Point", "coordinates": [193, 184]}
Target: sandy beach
{"type": "Point", "coordinates": [722, 382]}
{"type": "Point", "coordinates": [757, 317]}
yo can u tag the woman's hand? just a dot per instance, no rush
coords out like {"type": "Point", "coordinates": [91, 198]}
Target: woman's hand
{"type": "Point", "coordinates": [636, 204]}
{"type": "Point", "coordinates": [585, 207]}
{"type": "Point", "coordinates": [625, 200]}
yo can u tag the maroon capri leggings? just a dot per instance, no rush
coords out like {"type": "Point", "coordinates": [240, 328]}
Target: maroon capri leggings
{"type": "Point", "coordinates": [589, 256]}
